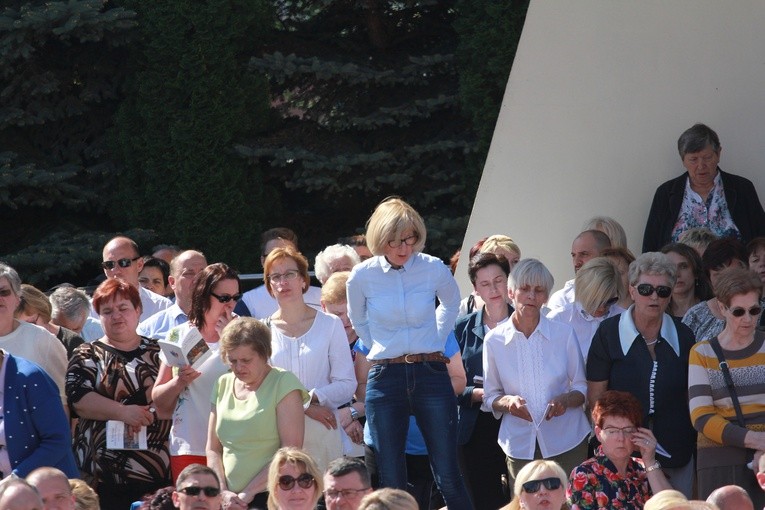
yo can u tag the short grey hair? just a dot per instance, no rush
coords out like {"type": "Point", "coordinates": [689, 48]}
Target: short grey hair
{"type": "Point", "coordinates": [697, 138]}
{"type": "Point", "coordinates": [69, 302]}
{"type": "Point", "coordinates": [653, 262]}
{"type": "Point", "coordinates": [328, 255]}
{"type": "Point", "coordinates": [530, 272]}
{"type": "Point", "coordinates": [12, 276]}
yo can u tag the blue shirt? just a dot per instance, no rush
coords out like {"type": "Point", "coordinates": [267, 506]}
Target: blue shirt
{"type": "Point", "coordinates": [393, 311]}
{"type": "Point", "coordinates": [158, 325]}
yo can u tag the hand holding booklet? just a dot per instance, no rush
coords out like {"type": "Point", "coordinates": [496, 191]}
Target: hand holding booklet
{"type": "Point", "coordinates": [120, 436]}
{"type": "Point", "coordinates": [187, 348]}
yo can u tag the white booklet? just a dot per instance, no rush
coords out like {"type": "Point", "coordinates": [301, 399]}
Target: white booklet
{"type": "Point", "coordinates": [188, 349]}
{"type": "Point", "coordinates": [121, 437]}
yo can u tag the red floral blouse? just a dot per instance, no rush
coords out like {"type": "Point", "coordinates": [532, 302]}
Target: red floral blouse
{"type": "Point", "coordinates": [596, 484]}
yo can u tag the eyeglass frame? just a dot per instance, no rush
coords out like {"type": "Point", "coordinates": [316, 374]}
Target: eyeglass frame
{"type": "Point", "coordinates": [740, 311]}
{"type": "Point", "coordinates": [189, 490]}
{"type": "Point", "coordinates": [287, 276]}
{"type": "Point", "coordinates": [287, 482]}
{"type": "Point", "coordinates": [649, 289]}
{"type": "Point", "coordinates": [395, 243]}
{"type": "Point", "coordinates": [225, 298]}
{"type": "Point", "coordinates": [346, 493]}
{"type": "Point", "coordinates": [109, 265]}
{"type": "Point", "coordinates": [551, 484]}
{"type": "Point", "coordinates": [623, 431]}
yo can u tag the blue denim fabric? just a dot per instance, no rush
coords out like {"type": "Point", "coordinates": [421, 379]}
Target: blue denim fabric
{"type": "Point", "coordinates": [396, 391]}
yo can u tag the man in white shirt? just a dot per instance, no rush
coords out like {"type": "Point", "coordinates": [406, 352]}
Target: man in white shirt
{"type": "Point", "coordinates": [258, 302]}
{"type": "Point", "coordinates": [183, 269]}
{"type": "Point", "coordinates": [587, 245]}
{"type": "Point", "coordinates": [121, 259]}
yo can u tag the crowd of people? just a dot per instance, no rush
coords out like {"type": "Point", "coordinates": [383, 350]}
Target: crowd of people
{"type": "Point", "coordinates": [639, 384]}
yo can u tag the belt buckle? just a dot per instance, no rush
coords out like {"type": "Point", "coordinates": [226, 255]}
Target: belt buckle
{"type": "Point", "coordinates": [406, 359]}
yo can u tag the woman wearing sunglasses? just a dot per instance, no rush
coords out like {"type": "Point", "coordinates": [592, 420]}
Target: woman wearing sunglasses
{"type": "Point", "coordinates": [730, 420]}
{"type": "Point", "coordinates": [613, 478]}
{"type": "Point", "coordinates": [184, 392]}
{"type": "Point", "coordinates": [540, 484]}
{"type": "Point", "coordinates": [644, 351]}
{"type": "Point", "coordinates": [294, 481]}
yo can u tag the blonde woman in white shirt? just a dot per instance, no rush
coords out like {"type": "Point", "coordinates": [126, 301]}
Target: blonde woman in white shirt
{"type": "Point", "coordinates": [312, 345]}
{"type": "Point", "coordinates": [534, 378]}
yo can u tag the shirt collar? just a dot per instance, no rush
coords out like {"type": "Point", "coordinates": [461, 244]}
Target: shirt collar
{"type": "Point", "coordinates": [628, 332]}
{"type": "Point", "coordinates": [386, 266]}
{"type": "Point", "coordinates": [543, 329]}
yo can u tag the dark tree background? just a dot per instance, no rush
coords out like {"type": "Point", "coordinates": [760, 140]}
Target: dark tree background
{"type": "Point", "coordinates": [202, 122]}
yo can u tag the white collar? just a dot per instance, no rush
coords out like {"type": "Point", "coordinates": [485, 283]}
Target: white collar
{"type": "Point", "coordinates": [628, 332]}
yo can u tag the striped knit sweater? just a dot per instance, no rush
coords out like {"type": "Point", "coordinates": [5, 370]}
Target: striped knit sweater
{"type": "Point", "coordinates": [721, 439]}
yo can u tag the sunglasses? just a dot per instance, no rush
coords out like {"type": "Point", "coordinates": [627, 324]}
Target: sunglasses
{"type": "Point", "coordinates": [192, 490]}
{"type": "Point", "coordinates": [609, 302]}
{"type": "Point", "coordinates": [739, 312]}
{"type": "Point", "coordinates": [111, 264]}
{"type": "Point", "coordinates": [225, 298]}
{"type": "Point", "coordinates": [287, 482]}
{"type": "Point", "coordinates": [646, 289]}
{"type": "Point", "coordinates": [533, 486]}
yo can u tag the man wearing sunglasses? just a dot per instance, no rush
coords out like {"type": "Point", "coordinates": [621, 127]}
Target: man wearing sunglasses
{"type": "Point", "coordinates": [197, 488]}
{"type": "Point", "coordinates": [121, 259]}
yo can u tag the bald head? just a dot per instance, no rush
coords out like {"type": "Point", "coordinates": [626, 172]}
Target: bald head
{"type": "Point", "coordinates": [17, 494]}
{"type": "Point", "coordinates": [183, 269]}
{"type": "Point", "coordinates": [124, 261]}
{"type": "Point", "coordinates": [588, 245]}
{"type": "Point", "coordinates": [54, 489]}
{"type": "Point", "coordinates": [731, 497]}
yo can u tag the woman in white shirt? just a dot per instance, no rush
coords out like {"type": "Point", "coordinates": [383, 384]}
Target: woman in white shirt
{"type": "Point", "coordinates": [312, 345]}
{"type": "Point", "coordinates": [534, 378]}
{"type": "Point", "coordinates": [391, 303]}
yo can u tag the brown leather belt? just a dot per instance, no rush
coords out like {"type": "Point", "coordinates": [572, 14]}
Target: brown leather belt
{"type": "Point", "coordinates": [414, 358]}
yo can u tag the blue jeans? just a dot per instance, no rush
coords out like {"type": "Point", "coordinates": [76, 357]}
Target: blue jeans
{"type": "Point", "coordinates": [398, 390]}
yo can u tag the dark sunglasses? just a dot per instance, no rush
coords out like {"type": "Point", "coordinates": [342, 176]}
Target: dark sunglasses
{"type": "Point", "coordinates": [533, 486]}
{"type": "Point", "coordinates": [111, 264]}
{"type": "Point", "coordinates": [646, 289]}
{"type": "Point", "coordinates": [739, 312]}
{"type": "Point", "coordinates": [609, 302]}
{"type": "Point", "coordinates": [192, 490]}
{"type": "Point", "coordinates": [287, 482]}
{"type": "Point", "coordinates": [225, 298]}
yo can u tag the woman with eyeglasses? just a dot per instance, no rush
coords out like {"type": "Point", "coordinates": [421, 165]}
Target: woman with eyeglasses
{"type": "Point", "coordinates": [540, 485]}
{"type": "Point", "coordinates": [691, 284]}
{"type": "Point", "coordinates": [644, 351]}
{"type": "Point", "coordinates": [392, 306]}
{"type": "Point", "coordinates": [730, 421]}
{"type": "Point", "coordinates": [183, 392]}
{"type": "Point", "coordinates": [312, 345]}
{"type": "Point", "coordinates": [613, 478]}
{"type": "Point", "coordinates": [598, 286]}
{"type": "Point", "coordinates": [256, 409]}
{"type": "Point", "coordinates": [110, 380]}
{"type": "Point", "coordinates": [294, 481]}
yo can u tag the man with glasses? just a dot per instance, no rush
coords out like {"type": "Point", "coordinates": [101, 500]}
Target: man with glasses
{"type": "Point", "coordinates": [53, 486]}
{"type": "Point", "coordinates": [346, 482]}
{"type": "Point", "coordinates": [197, 488]}
{"type": "Point", "coordinates": [121, 259]}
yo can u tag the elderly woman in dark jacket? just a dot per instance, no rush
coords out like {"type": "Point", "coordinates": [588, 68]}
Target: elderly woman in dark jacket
{"type": "Point", "coordinates": [704, 196]}
{"type": "Point", "coordinates": [477, 431]}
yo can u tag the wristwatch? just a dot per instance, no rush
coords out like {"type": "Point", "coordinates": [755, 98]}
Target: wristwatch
{"type": "Point", "coordinates": [354, 414]}
{"type": "Point", "coordinates": [653, 467]}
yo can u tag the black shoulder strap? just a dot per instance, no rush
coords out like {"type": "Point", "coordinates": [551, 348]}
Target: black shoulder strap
{"type": "Point", "coordinates": [715, 344]}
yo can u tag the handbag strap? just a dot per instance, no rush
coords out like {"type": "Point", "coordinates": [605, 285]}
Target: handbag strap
{"type": "Point", "coordinates": [715, 344]}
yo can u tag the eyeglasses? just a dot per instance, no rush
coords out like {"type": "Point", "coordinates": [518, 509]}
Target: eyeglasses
{"type": "Point", "coordinates": [646, 289]}
{"type": "Point", "coordinates": [409, 241]}
{"type": "Point", "coordinates": [607, 303]}
{"type": "Point", "coordinates": [533, 486]}
{"type": "Point", "coordinates": [193, 490]}
{"type": "Point", "coordinates": [225, 298]}
{"type": "Point", "coordinates": [739, 312]}
{"type": "Point", "coordinates": [287, 482]}
{"type": "Point", "coordinates": [345, 493]}
{"type": "Point", "coordinates": [624, 432]}
{"type": "Point", "coordinates": [5, 292]}
{"type": "Point", "coordinates": [111, 264]}
{"type": "Point", "coordinates": [286, 276]}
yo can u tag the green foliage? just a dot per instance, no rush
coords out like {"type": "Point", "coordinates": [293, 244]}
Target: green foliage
{"type": "Point", "coordinates": [60, 81]}
{"type": "Point", "coordinates": [489, 32]}
{"type": "Point", "coordinates": [191, 99]}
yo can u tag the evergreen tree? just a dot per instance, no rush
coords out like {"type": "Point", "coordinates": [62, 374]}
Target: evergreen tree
{"type": "Point", "coordinates": [191, 98]}
{"type": "Point", "coordinates": [60, 81]}
{"type": "Point", "coordinates": [366, 94]}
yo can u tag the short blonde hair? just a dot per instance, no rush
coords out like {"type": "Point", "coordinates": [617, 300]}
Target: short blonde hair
{"type": "Point", "coordinates": [392, 217]}
{"type": "Point", "coordinates": [296, 457]}
{"type": "Point", "coordinates": [388, 499]}
{"type": "Point", "coordinates": [333, 291]}
{"type": "Point", "coordinates": [668, 499]}
{"type": "Point", "coordinates": [34, 301]}
{"type": "Point", "coordinates": [597, 281]}
{"type": "Point", "coordinates": [85, 498]}
{"type": "Point", "coordinates": [499, 242]}
{"type": "Point", "coordinates": [610, 227]}
{"type": "Point", "coordinates": [530, 472]}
